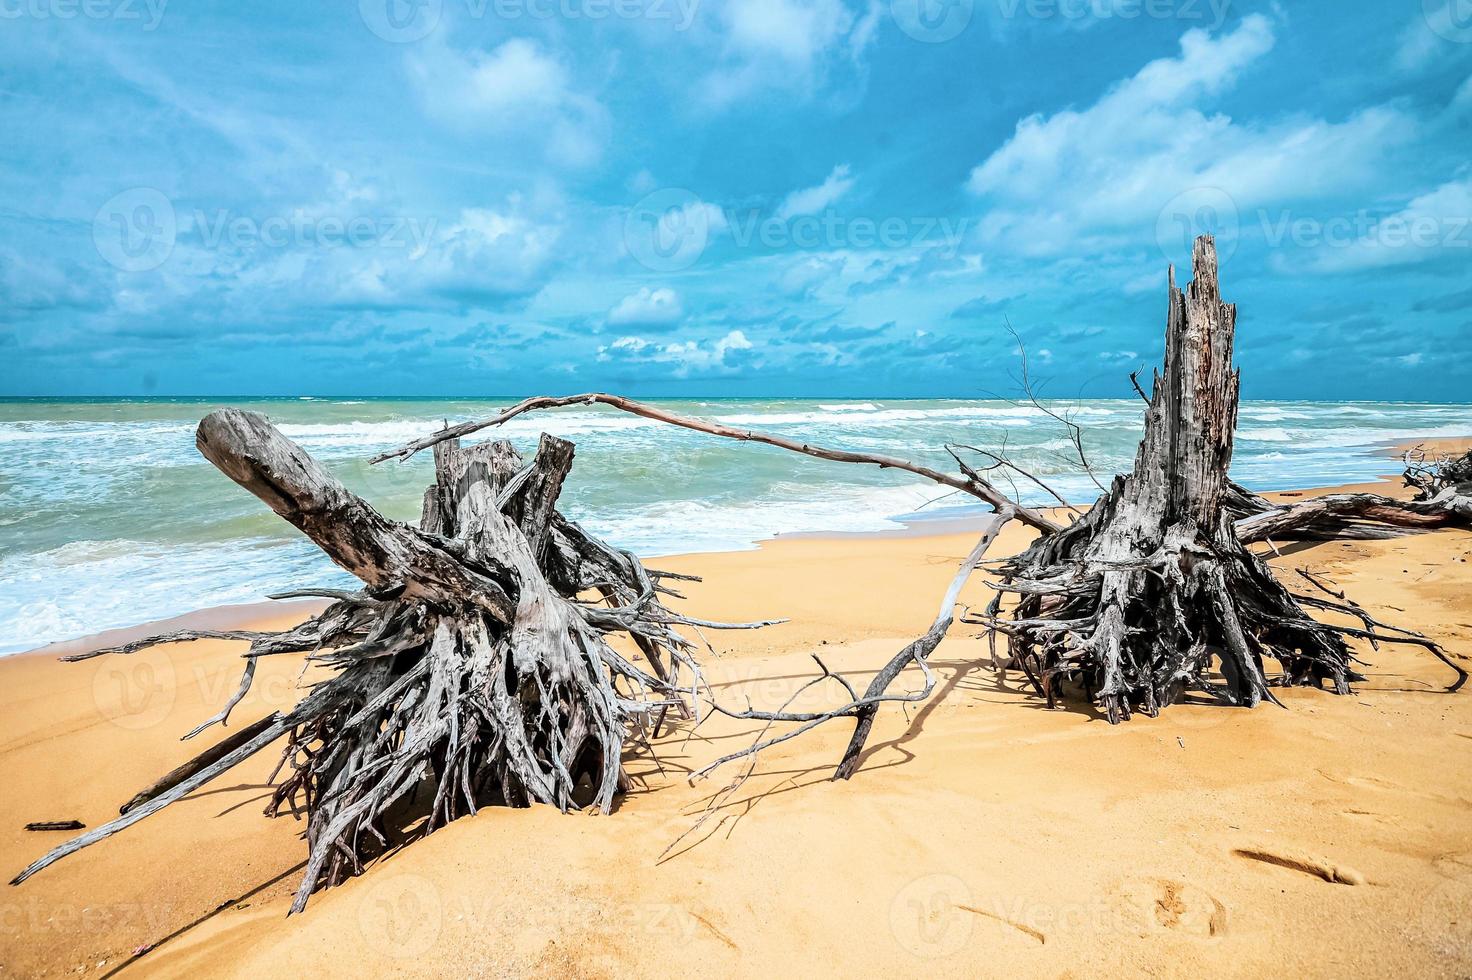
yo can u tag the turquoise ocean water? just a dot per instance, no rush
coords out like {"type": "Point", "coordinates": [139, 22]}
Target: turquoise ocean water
{"type": "Point", "coordinates": [109, 517]}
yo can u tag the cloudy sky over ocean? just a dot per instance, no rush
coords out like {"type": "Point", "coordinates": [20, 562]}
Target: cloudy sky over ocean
{"type": "Point", "coordinates": [742, 198]}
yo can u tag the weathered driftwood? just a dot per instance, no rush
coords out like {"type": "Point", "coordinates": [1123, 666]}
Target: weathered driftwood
{"type": "Point", "coordinates": [468, 670]}
{"type": "Point", "coordinates": [1355, 515]}
{"type": "Point", "coordinates": [1330, 517]}
{"type": "Point", "coordinates": [1139, 599]}
{"type": "Point", "coordinates": [861, 708]}
{"type": "Point", "coordinates": [1135, 598]}
{"type": "Point", "coordinates": [1443, 498]}
{"type": "Point", "coordinates": [1432, 476]}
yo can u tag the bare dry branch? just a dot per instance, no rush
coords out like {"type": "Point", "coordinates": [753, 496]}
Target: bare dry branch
{"type": "Point", "coordinates": [977, 488]}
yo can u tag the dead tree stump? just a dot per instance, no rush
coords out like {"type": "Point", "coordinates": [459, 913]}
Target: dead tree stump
{"type": "Point", "coordinates": [468, 671]}
{"type": "Point", "coordinates": [1140, 598]}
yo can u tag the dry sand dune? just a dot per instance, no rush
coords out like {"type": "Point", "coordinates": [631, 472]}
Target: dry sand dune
{"type": "Point", "coordinates": [987, 836]}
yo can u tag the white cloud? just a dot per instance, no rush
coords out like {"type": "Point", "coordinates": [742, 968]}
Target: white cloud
{"type": "Point", "coordinates": [812, 200]}
{"type": "Point", "coordinates": [795, 31]}
{"type": "Point", "coordinates": [518, 91]}
{"type": "Point", "coordinates": [1431, 225]}
{"type": "Point", "coordinates": [652, 307]}
{"type": "Point", "coordinates": [785, 44]}
{"type": "Point", "coordinates": [642, 182]}
{"type": "Point", "coordinates": [485, 255]}
{"type": "Point", "coordinates": [515, 75]}
{"type": "Point", "coordinates": [687, 358]}
{"type": "Point", "coordinates": [1110, 168]}
{"type": "Point", "coordinates": [35, 282]}
{"type": "Point", "coordinates": [805, 274]}
{"type": "Point", "coordinates": [691, 223]}
{"type": "Point", "coordinates": [1462, 101]}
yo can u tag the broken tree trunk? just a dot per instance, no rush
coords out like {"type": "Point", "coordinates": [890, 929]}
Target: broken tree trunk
{"type": "Point", "coordinates": [1137, 600]}
{"type": "Point", "coordinates": [467, 672]}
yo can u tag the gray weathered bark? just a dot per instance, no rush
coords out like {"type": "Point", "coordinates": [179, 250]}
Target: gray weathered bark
{"type": "Point", "coordinates": [468, 671]}
{"type": "Point", "coordinates": [1139, 599]}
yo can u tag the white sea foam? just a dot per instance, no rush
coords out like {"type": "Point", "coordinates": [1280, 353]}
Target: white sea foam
{"type": "Point", "coordinates": [740, 525]}
{"type": "Point", "coordinates": [109, 517]}
{"type": "Point", "coordinates": [88, 586]}
{"type": "Point", "coordinates": [1012, 415]}
{"type": "Point", "coordinates": [1264, 435]}
{"type": "Point", "coordinates": [331, 435]}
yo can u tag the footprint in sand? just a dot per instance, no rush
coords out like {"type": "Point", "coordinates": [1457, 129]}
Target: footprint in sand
{"type": "Point", "coordinates": [1338, 874]}
{"type": "Point", "coordinates": [1379, 785]}
{"type": "Point", "coordinates": [1175, 906]}
{"type": "Point", "coordinates": [1370, 816]}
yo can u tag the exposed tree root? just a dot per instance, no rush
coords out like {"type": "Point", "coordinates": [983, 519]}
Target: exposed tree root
{"type": "Point", "coordinates": [467, 672]}
{"type": "Point", "coordinates": [861, 709]}
{"type": "Point", "coordinates": [1139, 599]}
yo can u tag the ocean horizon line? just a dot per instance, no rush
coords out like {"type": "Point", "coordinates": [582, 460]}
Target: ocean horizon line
{"type": "Point", "coordinates": [186, 399]}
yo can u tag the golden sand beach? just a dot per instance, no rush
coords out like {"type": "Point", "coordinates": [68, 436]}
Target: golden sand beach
{"type": "Point", "coordinates": [984, 835]}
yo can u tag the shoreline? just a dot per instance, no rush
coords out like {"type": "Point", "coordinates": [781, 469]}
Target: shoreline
{"type": "Point", "coordinates": [240, 615]}
{"type": "Point", "coordinates": [1231, 836]}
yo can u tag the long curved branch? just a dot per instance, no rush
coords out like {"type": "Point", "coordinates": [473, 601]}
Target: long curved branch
{"type": "Point", "coordinates": [966, 484]}
{"type": "Point", "coordinates": [863, 709]}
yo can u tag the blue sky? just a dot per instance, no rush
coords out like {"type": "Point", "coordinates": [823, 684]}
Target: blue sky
{"type": "Point", "coordinates": [727, 197]}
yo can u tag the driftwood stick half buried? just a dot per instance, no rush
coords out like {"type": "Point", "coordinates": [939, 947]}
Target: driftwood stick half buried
{"type": "Point", "coordinates": [1332, 514]}
{"type": "Point", "coordinates": [273, 728]}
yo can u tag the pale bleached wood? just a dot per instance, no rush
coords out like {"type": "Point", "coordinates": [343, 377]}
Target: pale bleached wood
{"type": "Point", "coordinates": [470, 662]}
